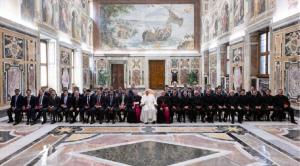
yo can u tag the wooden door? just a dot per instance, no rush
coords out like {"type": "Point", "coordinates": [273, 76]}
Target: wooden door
{"type": "Point", "coordinates": [117, 75]}
{"type": "Point", "coordinates": [157, 74]}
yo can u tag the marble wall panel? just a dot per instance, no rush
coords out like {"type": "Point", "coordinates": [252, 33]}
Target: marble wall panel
{"type": "Point", "coordinates": [254, 61]}
{"type": "Point", "coordinates": [13, 47]}
{"type": "Point", "coordinates": [31, 78]}
{"type": "Point", "coordinates": [237, 77]}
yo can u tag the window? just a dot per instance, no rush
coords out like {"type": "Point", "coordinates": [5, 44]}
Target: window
{"type": "Point", "coordinates": [264, 54]}
{"type": "Point", "coordinates": [227, 60]}
{"type": "Point", "coordinates": [44, 68]}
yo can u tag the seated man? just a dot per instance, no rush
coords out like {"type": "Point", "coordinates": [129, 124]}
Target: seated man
{"type": "Point", "coordinates": [220, 105]}
{"type": "Point", "coordinates": [268, 105]}
{"type": "Point", "coordinates": [283, 104]}
{"type": "Point", "coordinates": [29, 106]}
{"type": "Point", "coordinates": [41, 107]}
{"type": "Point", "coordinates": [65, 104]}
{"type": "Point", "coordinates": [148, 104]}
{"type": "Point", "coordinates": [87, 105]}
{"type": "Point", "coordinates": [122, 104]}
{"type": "Point", "coordinates": [175, 106]}
{"type": "Point", "coordinates": [54, 104]}
{"type": "Point", "coordinates": [231, 103]}
{"type": "Point", "coordinates": [163, 112]}
{"type": "Point", "coordinates": [99, 106]}
{"type": "Point", "coordinates": [63, 94]}
{"type": "Point", "coordinates": [185, 103]}
{"type": "Point", "coordinates": [243, 105]}
{"type": "Point", "coordinates": [110, 102]}
{"type": "Point", "coordinates": [16, 106]}
{"type": "Point", "coordinates": [255, 105]}
{"type": "Point", "coordinates": [134, 112]}
{"type": "Point", "coordinates": [77, 104]}
{"type": "Point", "coordinates": [197, 104]}
{"type": "Point", "coordinates": [209, 103]}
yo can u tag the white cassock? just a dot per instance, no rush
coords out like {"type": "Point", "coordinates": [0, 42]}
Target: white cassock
{"type": "Point", "coordinates": [148, 111]}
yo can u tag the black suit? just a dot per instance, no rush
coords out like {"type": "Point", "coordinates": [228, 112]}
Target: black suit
{"type": "Point", "coordinates": [169, 94]}
{"type": "Point", "coordinates": [29, 103]}
{"type": "Point", "coordinates": [44, 103]}
{"type": "Point", "coordinates": [232, 101]}
{"type": "Point", "coordinates": [280, 102]}
{"type": "Point", "coordinates": [186, 101]}
{"type": "Point", "coordinates": [220, 100]}
{"type": "Point", "coordinates": [55, 103]}
{"type": "Point", "coordinates": [77, 103]}
{"type": "Point", "coordinates": [132, 116]}
{"type": "Point", "coordinates": [17, 103]}
{"type": "Point", "coordinates": [175, 102]}
{"type": "Point", "coordinates": [68, 104]}
{"type": "Point", "coordinates": [161, 114]}
{"type": "Point", "coordinates": [209, 100]}
{"type": "Point", "coordinates": [197, 101]}
{"type": "Point", "coordinates": [87, 101]}
{"type": "Point", "coordinates": [255, 101]}
{"type": "Point", "coordinates": [110, 102]}
{"type": "Point", "coordinates": [268, 100]}
{"type": "Point", "coordinates": [249, 93]}
{"type": "Point", "coordinates": [98, 101]}
{"type": "Point", "coordinates": [263, 93]}
{"type": "Point", "coordinates": [125, 103]}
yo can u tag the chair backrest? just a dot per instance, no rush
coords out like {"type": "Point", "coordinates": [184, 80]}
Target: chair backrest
{"type": "Point", "coordinates": [151, 92]}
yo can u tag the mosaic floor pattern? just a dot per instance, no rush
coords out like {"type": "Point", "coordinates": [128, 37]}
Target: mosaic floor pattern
{"type": "Point", "coordinates": [208, 145]}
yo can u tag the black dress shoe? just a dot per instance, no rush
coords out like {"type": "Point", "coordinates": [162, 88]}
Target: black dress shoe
{"type": "Point", "coordinates": [10, 121]}
{"type": "Point", "coordinates": [32, 123]}
{"type": "Point", "coordinates": [16, 123]}
{"type": "Point", "coordinates": [27, 123]}
{"type": "Point", "coordinates": [53, 122]}
{"type": "Point", "coordinates": [240, 122]}
{"type": "Point", "coordinates": [92, 122]}
{"type": "Point", "coordinates": [43, 122]}
{"type": "Point", "coordinates": [153, 122]}
{"type": "Point", "coordinates": [107, 121]}
{"type": "Point", "coordinates": [224, 120]}
{"type": "Point", "coordinates": [100, 122]}
{"type": "Point", "coordinates": [113, 122]}
{"type": "Point", "coordinates": [146, 123]}
{"type": "Point", "coordinates": [67, 121]}
{"type": "Point", "coordinates": [232, 122]}
{"type": "Point", "coordinates": [294, 122]}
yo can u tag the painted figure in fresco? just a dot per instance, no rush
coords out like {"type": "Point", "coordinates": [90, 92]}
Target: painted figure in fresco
{"type": "Point", "coordinates": [63, 23]}
{"type": "Point", "coordinates": [65, 77]}
{"type": "Point", "coordinates": [91, 35]}
{"type": "Point", "coordinates": [75, 26]}
{"type": "Point", "coordinates": [238, 12]}
{"type": "Point", "coordinates": [207, 31]}
{"type": "Point", "coordinates": [225, 17]}
{"type": "Point", "coordinates": [215, 25]}
{"type": "Point", "coordinates": [83, 30]}
{"type": "Point", "coordinates": [48, 11]}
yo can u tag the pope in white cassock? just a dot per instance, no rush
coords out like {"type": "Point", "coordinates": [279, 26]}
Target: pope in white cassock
{"type": "Point", "coordinates": [148, 104]}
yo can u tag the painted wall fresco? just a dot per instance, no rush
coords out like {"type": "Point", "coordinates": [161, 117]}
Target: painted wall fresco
{"type": "Point", "coordinates": [31, 80]}
{"type": "Point", "coordinates": [254, 68]}
{"type": "Point", "coordinates": [49, 11]}
{"type": "Point", "coordinates": [237, 55]}
{"type": "Point", "coordinates": [237, 77]}
{"type": "Point", "coordinates": [213, 69]}
{"type": "Point", "coordinates": [28, 10]}
{"type": "Point", "coordinates": [100, 67]}
{"type": "Point", "coordinates": [13, 47]}
{"type": "Point", "coordinates": [179, 68]}
{"type": "Point", "coordinates": [136, 72]}
{"type": "Point", "coordinates": [66, 67]}
{"type": "Point", "coordinates": [158, 27]}
{"type": "Point", "coordinates": [237, 66]}
{"type": "Point", "coordinates": [86, 71]}
{"type": "Point", "coordinates": [64, 16]}
{"type": "Point", "coordinates": [239, 11]}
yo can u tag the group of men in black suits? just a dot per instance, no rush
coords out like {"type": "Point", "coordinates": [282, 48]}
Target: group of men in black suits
{"type": "Point", "coordinates": [109, 104]}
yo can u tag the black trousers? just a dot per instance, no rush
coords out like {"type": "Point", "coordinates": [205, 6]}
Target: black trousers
{"type": "Point", "coordinates": [99, 113]}
{"type": "Point", "coordinates": [194, 114]}
{"type": "Point", "coordinates": [106, 113]}
{"type": "Point", "coordinates": [41, 111]}
{"type": "Point", "coordinates": [220, 110]}
{"type": "Point", "coordinates": [241, 114]}
{"type": "Point", "coordinates": [66, 110]}
{"type": "Point", "coordinates": [210, 113]}
{"type": "Point", "coordinates": [118, 111]}
{"type": "Point", "coordinates": [81, 112]}
{"type": "Point", "coordinates": [281, 111]}
{"type": "Point", "coordinates": [172, 112]}
{"type": "Point", "coordinates": [17, 114]}
{"type": "Point", "coordinates": [183, 113]}
{"type": "Point", "coordinates": [54, 112]}
{"type": "Point", "coordinates": [255, 112]}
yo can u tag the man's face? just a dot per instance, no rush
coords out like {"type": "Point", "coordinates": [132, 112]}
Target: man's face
{"type": "Point", "coordinates": [123, 91]}
{"type": "Point", "coordinates": [196, 94]}
{"type": "Point", "coordinates": [111, 93]}
{"type": "Point", "coordinates": [99, 92]}
{"type": "Point", "coordinates": [254, 93]}
{"type": "Point", "coordinates": [111, 87]}
{"type": "Point", "coordinates": [174, 93]}
{"type": "Point", "coordinates": [135, 93]}
{"type": "Point", "coordinates": [242, 92]}
{"type": "Point", "coordinates": [208, 92]}
{"type": "Point", "coordinates": [84, 90]}
{"type": "Point", "coordinates": [169, 89]}
{"type": "Point", "coordinates": [132, 86]}
{"type": "Point", "coordinates": [17, 92]}
{"type": "Point", "coordinates": [261, 88]}
{"type": "Point", "coordinates": [268, 92]}
{"type": "Point", "coordinates": [41, 93]}
{"type": "Point", "coordinates": [219, 91]}
{"type": "Point", "coordinates": [280, 92]}
{"type": "Point", "coordinates": [53, 93]}
{"type": "Point", "coordinates": [147, 92]}
{"type": "Point", "coordinates": [184, 94]}
{"type": "Point", "coordinates": [28, 93]}
{"type": "Point", "coordinates": [66, 93]}
{"type": "Point", "coordinates": [227, 90]}
{"type": "Point", "coordinates": [76, 93]}
{"type": "Point", "coordinates": [238, 89]}
{"type": "Point", "coordinates": [163, 94]}
{"type": "Point", "coordinates": [179, 89]}
{"type": "Point", "coordinates": [231, 93]}
{"type": "Point", "coordinates": [252, 88]}
{"type": "Point", "coordinates": [88, 93]}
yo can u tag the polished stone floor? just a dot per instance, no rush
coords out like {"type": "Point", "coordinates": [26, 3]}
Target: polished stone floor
{"type": "Point", "coordinates": [250, 143]}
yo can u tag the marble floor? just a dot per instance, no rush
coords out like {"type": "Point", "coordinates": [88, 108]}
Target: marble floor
{"type": "Point", "coordinates": [247, 144]}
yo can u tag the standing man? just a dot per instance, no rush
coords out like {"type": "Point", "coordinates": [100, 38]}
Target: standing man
{"type": "Point", "coordinates": [238, 92]}
{"type": "Point", "coordinates": [54, 104]}
{"type": "Point", "coordinates": [179, 93]}
{"type": "Point", "coordinates": [29, 106]}
{"type": "Point", "coordinates": [249, 93]}
{"type": "Point", "coordinates": [131, 91]}
{"type": "Point", "coordinates": [261, 91]}
{"type": "Point", "coordinates": [16, 106]}
{"type": "Point", "coordinates": [283, 104]}
{"type": "Point", "coordinates": [148, 104]}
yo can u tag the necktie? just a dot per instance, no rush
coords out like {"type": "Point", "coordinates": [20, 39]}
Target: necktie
{"type": "Point", "coordinates": [88, 100]}
{"type": "Point", "coordinates": [110, 102]}
{"type": "Point", "coordinates": [123, 98]}
{"type": "Point", "coordinates": [16, 100]}
{"type": "Point", "coordinates": [41, 100]}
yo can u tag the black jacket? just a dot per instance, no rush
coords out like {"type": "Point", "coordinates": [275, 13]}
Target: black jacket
{"type": "Point", "coordinates": [69, 101]}
{"type": "Point", "coordinates": [255, 101]}
{"type": "Point", "coordinates": [280, 100]}
{"type": "Point", "coordinates": [219, 100]}
{"type": "Point", "coordinates": [45, 102]}
{"type": "Point", "coordinates": [174, 101]}
{"type": "Point", "coordinates": [54, 102]}
{"type": "Point", "coordinates": [19, 103]}
{"type": "Point", "coordinates": [102, 100]}
{"type": "Point", "coordinates": [32, 101]}
{"type": "Point", "coordinates": [243, 101]}
{"type": "Point", "coordinates": [161, 100]}
{"type": "Point", "coordinates": [114, 101]}
{"type": "Point", "coordinates": [231, 101]}
{"type": "Point", "coordinates": [197, 101]}
{"type": "Point", "coordinates": [135, 99]}
{"type": "Point", "coordinates": [268, 101]}
{"type": "Point", "coordinates": [126, 100]}
{"type": "Point", "coordinates": [185, 101]}
{"type": "Point", "coordinates": [208, 101]}
{"type": "Point", "coordinates": [79, 103]}
{"type": "Point", "coordinates": [85, 101]}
